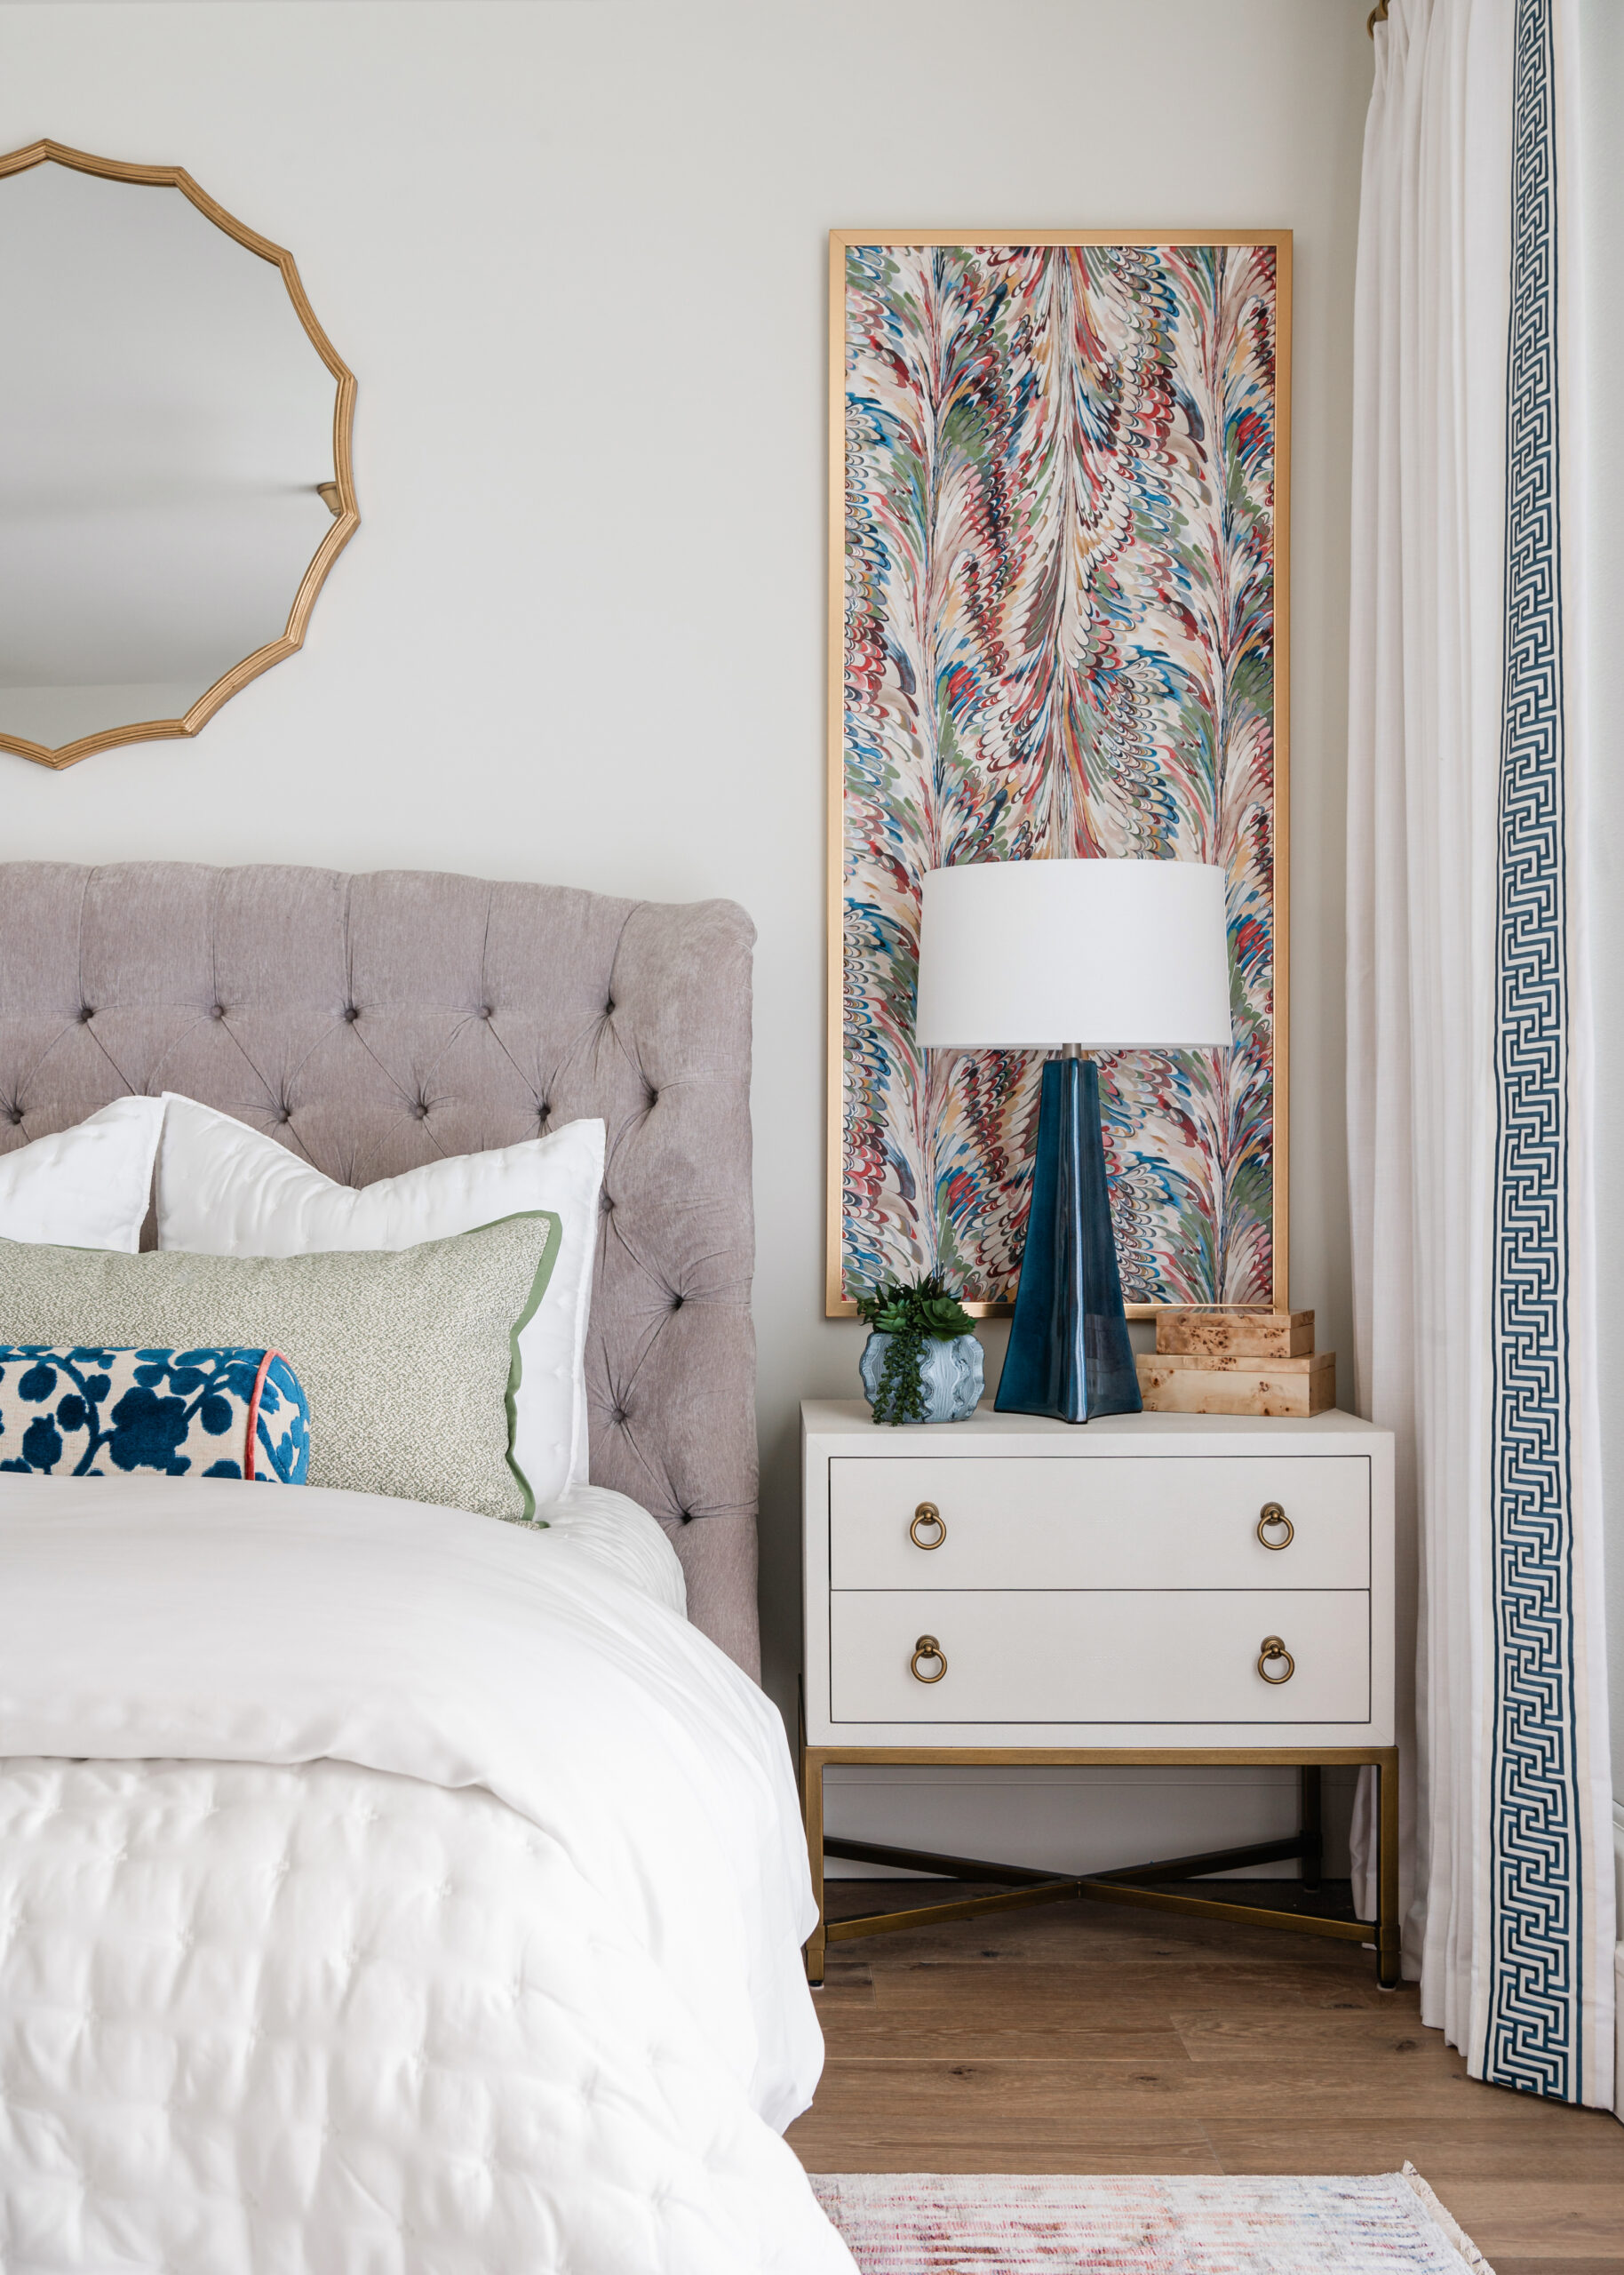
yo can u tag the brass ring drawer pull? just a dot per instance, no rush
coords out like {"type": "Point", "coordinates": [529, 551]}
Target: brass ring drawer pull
{"type": "Point", "coordinates": [928, 1513]}
{"type": "Point", "coordinates": [1270, 1518]}
{"type": "Point", "coordinates": [1273, 1648]}
{"type": "Point", "coordinates": [928, 1647]}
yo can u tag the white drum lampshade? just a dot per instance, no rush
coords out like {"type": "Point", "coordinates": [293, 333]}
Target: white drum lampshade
{"type": "Point", "coordinates": [1062, 956]}
{"type": "Point", "coordinates": [1110, 955]}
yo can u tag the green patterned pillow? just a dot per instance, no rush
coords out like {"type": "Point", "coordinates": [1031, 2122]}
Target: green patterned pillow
{"type": "Point", "coordinates": [409, 1358]}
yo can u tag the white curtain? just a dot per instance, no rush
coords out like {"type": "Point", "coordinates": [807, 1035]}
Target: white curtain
{"type": "Point", "coordinates": [1469, 1052]}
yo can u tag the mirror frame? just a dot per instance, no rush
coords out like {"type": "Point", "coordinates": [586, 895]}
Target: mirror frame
{"type": "Point", "coordinates": [346, 516]}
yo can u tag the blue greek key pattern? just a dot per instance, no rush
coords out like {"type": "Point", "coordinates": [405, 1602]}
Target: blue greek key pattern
{"type": "Point", "coordinates": [1534, 1962]}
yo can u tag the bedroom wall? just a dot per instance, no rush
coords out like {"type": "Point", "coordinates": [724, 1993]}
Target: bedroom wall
{"type": "Point", "coordinates": [575, 252]}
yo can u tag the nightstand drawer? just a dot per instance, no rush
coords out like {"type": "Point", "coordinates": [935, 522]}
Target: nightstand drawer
{"type": "Point", "coordinates": [1099, 1523]}
{"type": "Point", "coordinates": [1099, 1655]}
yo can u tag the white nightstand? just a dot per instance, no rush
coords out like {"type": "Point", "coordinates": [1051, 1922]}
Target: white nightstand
{"type": "Point", "coordinates": [1151, 1588]}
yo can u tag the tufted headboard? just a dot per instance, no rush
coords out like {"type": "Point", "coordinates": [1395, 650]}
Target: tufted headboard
{"type": "Point", "coordinates": [374, 1023]}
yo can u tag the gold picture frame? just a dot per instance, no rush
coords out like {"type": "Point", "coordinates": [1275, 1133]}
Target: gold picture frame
{"type": "Point", "coordinates": [839, 1304]}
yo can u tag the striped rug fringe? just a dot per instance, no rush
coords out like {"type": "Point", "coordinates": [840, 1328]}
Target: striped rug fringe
{"type": "Point", "coordinates": [1442, 2218]}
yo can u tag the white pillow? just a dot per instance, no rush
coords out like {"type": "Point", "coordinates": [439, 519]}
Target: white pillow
{"type": "Point", "coordinates": [226, 1189]}
{"type": "Point", "coordinates": [85, 1188]}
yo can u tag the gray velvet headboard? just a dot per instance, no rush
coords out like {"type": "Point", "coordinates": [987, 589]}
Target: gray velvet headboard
{"type": "Point", "coordinates": [374, 1023]}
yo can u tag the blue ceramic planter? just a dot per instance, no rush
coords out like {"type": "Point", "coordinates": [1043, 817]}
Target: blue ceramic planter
{"type": "Point", "coordinates": [951, 1375]}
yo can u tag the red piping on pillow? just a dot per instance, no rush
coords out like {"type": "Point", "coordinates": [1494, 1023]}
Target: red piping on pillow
{"type": "Point", "coordinates": [253, 1416]}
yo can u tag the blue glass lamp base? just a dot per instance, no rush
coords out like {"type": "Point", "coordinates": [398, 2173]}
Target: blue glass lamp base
{"type": "Point", "coordinates": [1069, 1350]}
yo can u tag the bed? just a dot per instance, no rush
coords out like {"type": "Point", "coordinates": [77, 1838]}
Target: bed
{"type": "Point", "coordinates": [383, 1887]}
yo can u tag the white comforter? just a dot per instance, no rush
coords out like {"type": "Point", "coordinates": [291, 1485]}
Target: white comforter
{"type": "Point", "coordinates": [386, 1890]}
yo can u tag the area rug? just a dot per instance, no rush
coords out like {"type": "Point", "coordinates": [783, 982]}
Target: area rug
{"type": "Point", "coordinates": [1001, 2224]}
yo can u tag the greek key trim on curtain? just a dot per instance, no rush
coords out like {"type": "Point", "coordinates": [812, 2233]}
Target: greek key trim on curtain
{"type": "Point", "coordinates": [1536, 1818]}
{"type": "Point", "coordinates": [1469, 1046]}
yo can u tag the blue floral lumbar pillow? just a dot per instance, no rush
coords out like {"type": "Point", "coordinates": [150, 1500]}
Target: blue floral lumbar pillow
{"type": "Point", "coordinates": [87, 1412]}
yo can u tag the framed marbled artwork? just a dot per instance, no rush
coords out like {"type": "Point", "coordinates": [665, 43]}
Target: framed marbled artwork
{"type": "Point", "coordinates": [1058, 613]}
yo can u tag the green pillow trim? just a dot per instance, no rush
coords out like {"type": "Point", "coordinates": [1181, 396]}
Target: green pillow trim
{"type": "Point", "coordinates": [515, 1365]}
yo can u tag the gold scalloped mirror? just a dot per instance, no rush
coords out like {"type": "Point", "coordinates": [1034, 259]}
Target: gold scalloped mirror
{"type": "Point", "coordinates": [175, 475]}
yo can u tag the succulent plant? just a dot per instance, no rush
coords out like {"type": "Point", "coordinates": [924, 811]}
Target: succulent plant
{"type": "Point", "coordinates": [912, 1313]}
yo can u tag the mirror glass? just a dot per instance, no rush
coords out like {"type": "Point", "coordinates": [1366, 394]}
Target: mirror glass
{"type": "Point", "coordinates": [174, 461]}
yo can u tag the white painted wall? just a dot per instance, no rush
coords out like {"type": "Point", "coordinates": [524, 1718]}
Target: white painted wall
{"type": "Point", "coordinates": [575, 252]}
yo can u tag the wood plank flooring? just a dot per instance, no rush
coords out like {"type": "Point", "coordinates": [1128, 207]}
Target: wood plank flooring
{"type": "Point", "coordinates": [1091, 2038]}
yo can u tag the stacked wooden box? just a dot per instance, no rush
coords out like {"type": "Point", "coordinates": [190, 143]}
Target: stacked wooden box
{"type": "Point", "coordinates": [1214, 1362]}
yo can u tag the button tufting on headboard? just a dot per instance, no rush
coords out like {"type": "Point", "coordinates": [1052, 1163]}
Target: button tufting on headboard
{"type": "Point", "coordinates": [606, 1007]}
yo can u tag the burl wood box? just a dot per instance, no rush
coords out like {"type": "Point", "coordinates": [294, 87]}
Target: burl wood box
{"type": "Point", "coordinates": [1222, 1382]}
{"type": "Point", "coordinates": [1238, 1334]}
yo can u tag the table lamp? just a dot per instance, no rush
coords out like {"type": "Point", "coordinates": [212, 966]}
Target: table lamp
{"type": "Point", "coordinates": [1071, 956]}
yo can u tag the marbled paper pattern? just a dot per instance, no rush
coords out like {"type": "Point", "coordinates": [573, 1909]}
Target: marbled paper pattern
{"type": "Point", "coordinates": [1060, 467]}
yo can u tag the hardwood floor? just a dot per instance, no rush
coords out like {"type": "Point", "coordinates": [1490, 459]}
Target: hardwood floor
{"type": "Point", "coordinates": [1086, 2038]}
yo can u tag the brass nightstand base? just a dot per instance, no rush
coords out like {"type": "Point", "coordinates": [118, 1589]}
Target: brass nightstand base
{"type": "Point", "coordinates": [1022, 1885]}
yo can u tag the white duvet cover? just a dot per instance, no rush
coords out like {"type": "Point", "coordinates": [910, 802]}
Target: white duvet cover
{"type": "Point", "coordinates": [386, 1891]}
